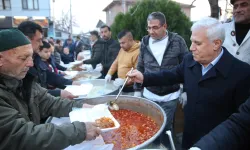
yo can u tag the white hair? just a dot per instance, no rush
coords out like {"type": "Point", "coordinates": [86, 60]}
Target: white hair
{"type": "Point", "coordinates": [213, 28]}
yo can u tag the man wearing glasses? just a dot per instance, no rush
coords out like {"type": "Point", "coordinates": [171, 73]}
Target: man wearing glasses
{"type": "Point", "coordinates": [160, 50]}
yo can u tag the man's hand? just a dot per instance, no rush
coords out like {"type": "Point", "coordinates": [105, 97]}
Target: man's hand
{"type": "Point", "coordinates": [118, 82]}
{"type": "Point", "coordinates": [99, 68]}
{"type": "Point", "coordinates": [183, 99]}
{"type": "Point", "coordinates": [76, 83]}
{"type": "Point", "coordinates": [108, 78]}
{"type": "Point", "coordinates": [62, 73]}
{"type": "Point", "coordinates": [80, 57]}
{"type": "Point", "coordinates": [66, 94]}
{"type": "Point", "coordinates": [135, 76]}
{"type": "Point", "coordinates": [92, 131]}
{"type": "Point", "coordinates": [87, 106]}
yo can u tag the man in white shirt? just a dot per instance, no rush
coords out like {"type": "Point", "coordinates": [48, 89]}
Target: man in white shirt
{"type": "Point", "coordinates": [160, 50]}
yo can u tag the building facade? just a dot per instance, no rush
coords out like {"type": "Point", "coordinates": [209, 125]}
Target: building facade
{"type": "Point", "coordinates": [13, 12]}
{"type": "Point", "coordinates": [117, 6]}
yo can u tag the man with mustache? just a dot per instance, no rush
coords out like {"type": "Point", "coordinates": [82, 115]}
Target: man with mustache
{"type": "Point", "coordinates": [23, 103]}
{"type": "Point", "coordinates": [34, 33]}
{"type": "Point", "coordinates": [110, 50]}
{"type": "Point", "coordinates": [216, 82]}
{"type": "Point", "coordinates": [237, 32]}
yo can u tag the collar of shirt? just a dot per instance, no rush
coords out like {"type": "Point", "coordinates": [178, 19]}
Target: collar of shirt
{"type": "Point", "coordinates": [158, 40]}
{"type": "Point", "coordinates": [214, 62]}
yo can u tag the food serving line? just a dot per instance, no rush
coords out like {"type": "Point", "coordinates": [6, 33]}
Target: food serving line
{"type": "Point", "coordinates": [95, 91]}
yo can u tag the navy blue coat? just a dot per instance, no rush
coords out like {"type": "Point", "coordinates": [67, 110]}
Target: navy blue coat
{"type": "Point", "coordinates": [44, 76]}
{"type": "Point", "coordinates": [233, 134]}
{"type": "Point", "coordinates": [212, 98]}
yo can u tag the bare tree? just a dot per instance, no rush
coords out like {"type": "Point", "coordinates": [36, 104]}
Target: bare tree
{"type": "Point", "coordinates": [214, 7]}
{"type": "Point", "coordinates": [64, 22]}
{"type": "Point", "coordinates": [192, 3]}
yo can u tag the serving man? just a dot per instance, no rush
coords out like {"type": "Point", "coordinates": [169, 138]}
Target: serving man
{"type": "Point", "coordinates": [126, 59]}
{"type": "Point", "coordinates": [216, 82]}
{"type": "Point", "coordinates": [34, 33]}
{"type": "Point", "coordinates": [23, 102]}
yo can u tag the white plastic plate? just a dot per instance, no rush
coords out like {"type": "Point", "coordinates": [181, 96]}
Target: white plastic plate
{"type": "Point", "coordinates": [91, 114]}
{"type": "Point", "coordinates": [79, 90]}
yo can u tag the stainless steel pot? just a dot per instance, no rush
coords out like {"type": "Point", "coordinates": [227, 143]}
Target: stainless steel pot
{"type": "Point", "coordinates": [141, 105]}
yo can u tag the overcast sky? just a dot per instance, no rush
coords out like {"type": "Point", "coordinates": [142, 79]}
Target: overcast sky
{"type": "Point", "coordinates": [88, 12]}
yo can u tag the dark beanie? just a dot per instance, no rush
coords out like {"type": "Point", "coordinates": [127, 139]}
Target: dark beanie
{"type": "Point", "coordinates": [12, 38]}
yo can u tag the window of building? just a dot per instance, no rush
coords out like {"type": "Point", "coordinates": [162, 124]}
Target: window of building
{"type": "Point", "coordinates": [5, 5]}
{"type": "Point", "coordinates": [30, 4]}
{"type": "Point", "coordinates": [58, 34]}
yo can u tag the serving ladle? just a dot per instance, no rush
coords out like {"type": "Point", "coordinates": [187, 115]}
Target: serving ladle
{"type": "Point", "coordinates": [112, 104]}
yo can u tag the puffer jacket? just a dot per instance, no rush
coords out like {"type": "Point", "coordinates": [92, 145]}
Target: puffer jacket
{"type": "Point", "coordinates": [96, 54]}
{"type": "Point", "coordinates": [110, 51]}
{"type": "Point", "coordinates": [22, 104]}
{"type": "Point", "coordinates": [175, 50]}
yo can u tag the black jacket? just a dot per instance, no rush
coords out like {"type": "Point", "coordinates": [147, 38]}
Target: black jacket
{"type": "Point", "coordinates": [45, 77]}
{"type": "Point", "coordinates": [110, 51]}
{"type": "Point", "coordinates": [96, 54]}
{"type": "Point", "coordinates": [66, 59]}
{"type": "Point", "coordinates": [173, 55]}
{"type": "Point", "coordinates": [79, 47]}
{"type": "Point", "coordinates": [211, 98]}
{"type": "Point", "coordinates": [232, 134]}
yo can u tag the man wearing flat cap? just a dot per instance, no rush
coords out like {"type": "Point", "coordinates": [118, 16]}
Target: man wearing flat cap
{"type": "Point", "coordinates": [23, 102]}
{"type": "Point", "coordinates": [237, 32]}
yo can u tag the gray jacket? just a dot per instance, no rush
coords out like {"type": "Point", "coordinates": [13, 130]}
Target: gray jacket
{"type": "Point", "coordinates": [22, 105]}
{"type": "Point", "coordinates": [173, 55]}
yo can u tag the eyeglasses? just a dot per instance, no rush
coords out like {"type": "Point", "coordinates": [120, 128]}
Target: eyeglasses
{"type": "Point", "coordinates": [154, 28]}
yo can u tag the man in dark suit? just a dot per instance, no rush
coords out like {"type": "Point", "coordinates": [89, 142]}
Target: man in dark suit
{"type": "Point", "coordinates": [232, 134]}
{"type": "Point", "coordinates": [110, 50]}
{"type": "Point", "coordinates": [78, 46]}
{"type": "Point", "coordinates": [216, 83]}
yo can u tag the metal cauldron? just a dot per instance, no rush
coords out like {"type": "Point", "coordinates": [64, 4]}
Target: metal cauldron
{"type": "Point", "coordinates": [138, 104]}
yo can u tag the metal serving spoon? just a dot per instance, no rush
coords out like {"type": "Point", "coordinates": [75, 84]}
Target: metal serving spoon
{"type": "Point", "coordinates": [112, 104]}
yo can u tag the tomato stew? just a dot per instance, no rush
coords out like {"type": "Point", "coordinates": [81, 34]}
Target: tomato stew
{"type": "Point", "coordinates": [135, 129]}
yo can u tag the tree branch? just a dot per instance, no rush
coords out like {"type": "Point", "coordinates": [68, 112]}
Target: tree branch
{"type": "Point", "coordinates": [192, 3]}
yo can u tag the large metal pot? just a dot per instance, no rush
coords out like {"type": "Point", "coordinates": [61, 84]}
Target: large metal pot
{"type": "Point", "coordinates": [109, 88]}
{"type": "Point", "coordinates": [141, 105]}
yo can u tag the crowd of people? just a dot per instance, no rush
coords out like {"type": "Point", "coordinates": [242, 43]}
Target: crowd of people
{"type": "Point", "coordinates": [211, 79]}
